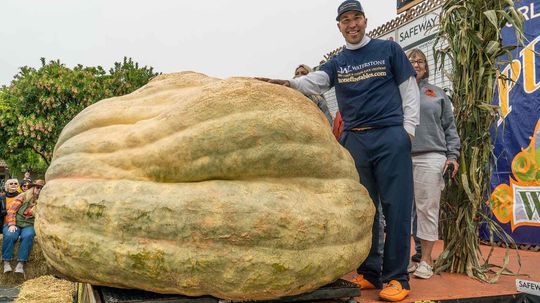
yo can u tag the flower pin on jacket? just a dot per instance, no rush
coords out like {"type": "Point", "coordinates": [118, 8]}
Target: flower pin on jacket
{"type": "Point", "coordinates": [430, 93]}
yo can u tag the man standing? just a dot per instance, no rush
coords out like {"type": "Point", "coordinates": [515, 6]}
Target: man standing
{"type": "Point", "coordinates": [379, 103]}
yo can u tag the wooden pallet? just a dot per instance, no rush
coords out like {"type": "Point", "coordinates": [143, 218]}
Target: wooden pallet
{"type": "Point", "coordinates": [339, 291]}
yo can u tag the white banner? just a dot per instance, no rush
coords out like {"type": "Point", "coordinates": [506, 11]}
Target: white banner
{"type": "Point", "coordinates": [528, 287]}
{"type": "Point", "coordinates": [421, 28]}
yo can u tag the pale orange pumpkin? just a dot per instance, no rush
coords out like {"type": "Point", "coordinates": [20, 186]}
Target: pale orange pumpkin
{"type": "Point", "coordinates": [233, 188]}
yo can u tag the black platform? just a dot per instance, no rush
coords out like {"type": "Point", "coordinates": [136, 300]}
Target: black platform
{"type": "Point", "coordinates": [340, 290]}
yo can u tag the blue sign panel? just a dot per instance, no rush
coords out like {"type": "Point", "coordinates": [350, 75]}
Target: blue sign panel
{"type": "Point", "coordinates": [515, 197]}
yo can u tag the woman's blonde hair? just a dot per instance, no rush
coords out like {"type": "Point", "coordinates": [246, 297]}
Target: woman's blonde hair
{"type": "Point", "coordinates": [9, 181]}
{"type": "Point", "coordinates": [415, 52]}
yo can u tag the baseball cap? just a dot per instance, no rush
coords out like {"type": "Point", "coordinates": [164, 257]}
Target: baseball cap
{"type": "Point", "coordinates": [347, 6]}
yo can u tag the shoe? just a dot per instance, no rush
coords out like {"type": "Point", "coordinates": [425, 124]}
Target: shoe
{"type": "Point", "coordinates": [19, 268]}
{"type": "Point", "coordinates": [393, 292]}
{"type": "Point", "coordinates": [412, 267]}
{"type": "Point", "coordinates": [424, 270]}
{"type": "Point", "coordinates": [416, 257]}
{"type": "Point", "coordinates": [363, 283]}
{"type": "Point", "coordinates": [7, 267]}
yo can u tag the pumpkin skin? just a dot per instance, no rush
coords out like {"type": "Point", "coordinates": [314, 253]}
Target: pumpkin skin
{"type": "Point", "coordinates": [194, 185]}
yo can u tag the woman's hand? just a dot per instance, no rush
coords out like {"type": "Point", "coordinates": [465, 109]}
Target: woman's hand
{"type": "Point", "coordinates": [453, 163]}
{"type": "Point", "coordinates": [12, 228]}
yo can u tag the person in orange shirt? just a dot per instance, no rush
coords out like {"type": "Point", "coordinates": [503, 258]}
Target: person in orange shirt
{"type": "Point", "coordinates": [10, 188]}
{"type": "Point", "coordinates": [19, 222]}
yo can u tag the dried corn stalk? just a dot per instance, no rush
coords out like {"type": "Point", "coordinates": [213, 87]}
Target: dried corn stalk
{"type": "Point", "coordinates": [471, 33]}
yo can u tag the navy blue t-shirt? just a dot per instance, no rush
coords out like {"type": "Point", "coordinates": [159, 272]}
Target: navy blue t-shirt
{"type": "Point", "coordinates": [367, 83]}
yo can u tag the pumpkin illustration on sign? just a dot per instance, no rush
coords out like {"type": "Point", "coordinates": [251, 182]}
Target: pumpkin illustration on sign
{"type": "Point", "coordinates": [194, 185]}
{"type": "Point", "coordinates": [525, 175]}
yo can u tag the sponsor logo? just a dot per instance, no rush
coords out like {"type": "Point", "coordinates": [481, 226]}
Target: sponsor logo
{"type": "Point", "coordinates": [351, 74]}
{"type": "Point", "coordinates": [518, 203]}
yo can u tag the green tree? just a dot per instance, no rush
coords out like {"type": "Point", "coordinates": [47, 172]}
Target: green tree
{"type": "Point", "coordinates": [40, 102]}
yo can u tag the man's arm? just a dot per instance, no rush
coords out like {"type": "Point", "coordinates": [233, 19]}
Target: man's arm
{"type": "Point", "coordinates": [315, 83]}
{"type": "Point", "coordinates": [410, 95]}
{"type": "Point", "coordinates": [274, 81]}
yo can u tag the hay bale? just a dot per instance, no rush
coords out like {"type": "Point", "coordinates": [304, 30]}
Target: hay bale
{"type": "Point", "coordinates": [46, 289]}
{"type": "Point", "coordinates": [35, 267]}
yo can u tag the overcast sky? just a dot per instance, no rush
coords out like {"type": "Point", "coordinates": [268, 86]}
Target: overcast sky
{"type": "Point", "coordinates": [220, 38]}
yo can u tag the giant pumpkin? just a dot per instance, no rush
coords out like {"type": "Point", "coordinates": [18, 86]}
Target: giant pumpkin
{"type": "Point", "coordinates": [194, 185]}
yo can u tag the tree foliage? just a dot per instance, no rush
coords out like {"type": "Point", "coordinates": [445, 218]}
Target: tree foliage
{"type": "Point", "coordinates": [40, 102]}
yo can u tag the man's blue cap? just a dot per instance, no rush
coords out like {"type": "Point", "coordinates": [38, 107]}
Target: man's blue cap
{"type": "Point", "coordinates": [347, 6]}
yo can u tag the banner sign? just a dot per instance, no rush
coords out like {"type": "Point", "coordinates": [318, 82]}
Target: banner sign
{"type": "Point", "coordinates": [421, 33]}
{"type": "Point", "coordinates": [403, 5]}
{"type": "Point", "coordinates": [515, 181]}
{"type": "Point", "coordinates": [419, 30]}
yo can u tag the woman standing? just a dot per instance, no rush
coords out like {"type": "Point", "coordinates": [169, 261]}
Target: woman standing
{"type": "Point", "coordinates": [435, 149]}
{"type": "Point", "coordinates": [20, 223]}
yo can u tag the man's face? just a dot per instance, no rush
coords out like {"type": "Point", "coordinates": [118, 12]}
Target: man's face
{"type": "Point", "coordinates": [352, 26]}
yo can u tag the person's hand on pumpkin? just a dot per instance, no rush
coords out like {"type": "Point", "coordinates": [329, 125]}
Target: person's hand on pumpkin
{"type": "Point", "coordinates": [12, 228]}
{"type": "Point", "coordinates": [275, 81]}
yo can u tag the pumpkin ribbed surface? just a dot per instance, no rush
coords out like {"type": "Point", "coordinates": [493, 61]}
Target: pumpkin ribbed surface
{"type": "Point", "coordinates": [199, 186]}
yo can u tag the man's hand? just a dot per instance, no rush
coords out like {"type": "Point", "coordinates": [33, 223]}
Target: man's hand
{"type": "Point", "coordinates": [455, 165]}
{"type": "Point", "coordinates": [12, 228]}
{"type": "Point", "coordinates": [275, 81]}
